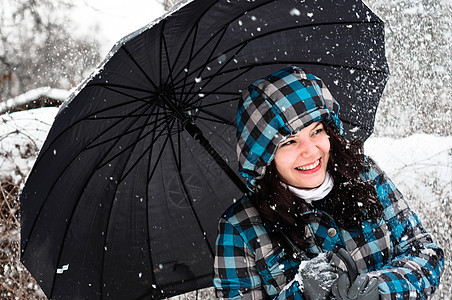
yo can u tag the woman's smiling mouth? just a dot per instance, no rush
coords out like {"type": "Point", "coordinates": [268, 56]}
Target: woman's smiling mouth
{"type": "Point", "coordinates": [311, 167]}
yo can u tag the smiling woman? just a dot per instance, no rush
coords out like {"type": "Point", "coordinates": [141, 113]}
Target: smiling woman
{"type": "Point", "coordinates": [301, 160]}
{"type": "Point", "coordinates": [322, 219]}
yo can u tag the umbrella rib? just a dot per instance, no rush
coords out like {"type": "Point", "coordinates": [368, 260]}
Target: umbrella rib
{"type": "Point", "coordinates": [90, 145]}
{"type": "Point", "coordinates": [219, 102]}
{"type": "Point", "coordinates": [249, 67]}
{"type": "Point", "coordinates": [157, 159]}
{"type": "Point", "coordinates": [144, 100]}
{"type": "Point", "coordinates": [213, 93]}
{"type": "Point", "coordinates": [225, 83]}
{"type": "Point", "coordinates": [205, 64]}
{"type": "Point", "coordinates": [119, 135]}
{"type": "Point", "coordinates": [318, 64]}
{"type": "Point", "coordinates": [190, 31]}
{"type": "Point", "coordinates": [109, 219]}
{"type": "Point", "coordinates": [170, 72]}
{"type": "Point", "coordinates": [361, 126]}
{"type": "Point", "coordinates": [212, 189]}
{"type": "Point", "coordinates": [195, 33]}
{"type": "Point", "coordinates": [120, 116]}
{"type": "Point", "coordinates": [80, 120]}
{"type": "Point", "coordinates": [109, 86]}
{"type": "Point", "coordinates": [143, 154]}
{"type": "Point", "coordinates": [151, 174]}
{"type": "Point", "coordinates": [179, 144]}
{"type": "Point", "coordinates": [160, 52]}
{"type": "Point", "coordinates": [153, 278]}
{"type": "Point", "coordinates": [122, 133]}
{"type": "Point", "coordinates": [211, 77]}
{"type": "Point", "coordinates": [125, 149]}
{"type": "Point", "coordinates": [191, 56]}
{"type": "Point", "coordinates": [218, 71]}
{"type": "Point", "coordinates": [200, 99]}
{"type": "Point", "coordinates": [70, 218]}
{"type": "Point", "coordinates": [168, 127]}
{"type": "Point", "coordinates": [139, 67]}
{"type": "Point", "coordinates": [70, 221]}
{"type": "Point", "coordinates": [216, 118]}
{"type": "Point", "coordinates": [224, 27]}
{"type": "Point", "coordinates": [196, 24]}
{"type": "Point", "coordinates": [188, 197]}
{"type": "Point", "coordinates": [223, 30]}
{"type": "Point", "coordinates": [283, 62]}
{"type": "Point", "coordinates": [40, 209]}
{"type": "Point", "coordinates": [277, 31]}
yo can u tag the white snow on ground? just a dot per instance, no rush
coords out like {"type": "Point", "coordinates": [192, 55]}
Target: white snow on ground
{"type": "Point", "coordinates": [420, 165]}
{"type": "Point", "coordinates": [21, 136]}
{"type": "Point", "coordinates": [58, 94]}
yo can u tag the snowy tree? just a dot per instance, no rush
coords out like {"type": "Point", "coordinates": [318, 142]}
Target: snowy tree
{"type": "Point", "coordinates": [37, 47]}
{"type": "Point", "coordinates": [418, 48]}
{"type": "Point", "coordinates": [168, 4]}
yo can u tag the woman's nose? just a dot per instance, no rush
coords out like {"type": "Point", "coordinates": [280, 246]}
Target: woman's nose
{"type": "Point", "coordinates": [307, 148]}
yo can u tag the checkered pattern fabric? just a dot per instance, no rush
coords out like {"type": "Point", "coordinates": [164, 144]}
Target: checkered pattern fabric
{"type": "Point", "coordinates": [396, 250]}
{"type": "Point", "coordinates": [274, 108]}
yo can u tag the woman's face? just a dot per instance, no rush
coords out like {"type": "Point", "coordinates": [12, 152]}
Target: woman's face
{"type": "Point", "coordinates": [301, 160]}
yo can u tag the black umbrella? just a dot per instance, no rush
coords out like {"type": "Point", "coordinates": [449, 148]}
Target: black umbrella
{"type": "Point", "coordinates": [124, 198]}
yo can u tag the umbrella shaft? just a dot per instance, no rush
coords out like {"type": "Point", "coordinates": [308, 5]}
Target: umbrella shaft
{"type": "Point", "coordinates": [197, 134]}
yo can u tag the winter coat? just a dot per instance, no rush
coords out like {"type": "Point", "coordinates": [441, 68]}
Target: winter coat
{"type": "Point", "coordinates": [397, 250]}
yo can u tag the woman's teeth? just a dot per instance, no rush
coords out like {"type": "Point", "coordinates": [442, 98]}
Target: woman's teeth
{"type": "Point", "coordinates": [309, 167]}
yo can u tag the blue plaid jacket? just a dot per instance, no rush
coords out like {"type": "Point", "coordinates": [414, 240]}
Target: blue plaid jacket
{"type": "Point", "coordinates": [397, 250]}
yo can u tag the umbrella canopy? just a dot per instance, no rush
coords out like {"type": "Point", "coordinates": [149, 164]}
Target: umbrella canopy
{"type": "Point", "coordinates": [124, 198]}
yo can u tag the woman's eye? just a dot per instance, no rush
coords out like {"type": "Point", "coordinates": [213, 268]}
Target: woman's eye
{"type": "Point", "coordinates": [317, 131]}
{"type": "Point", "coordinates": [287, 143]}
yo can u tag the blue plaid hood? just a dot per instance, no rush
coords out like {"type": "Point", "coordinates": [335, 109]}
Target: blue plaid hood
{"type": "Point", "coordinates": [275, 107]}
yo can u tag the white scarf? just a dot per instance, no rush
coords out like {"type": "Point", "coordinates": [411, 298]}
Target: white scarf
{"type": "Point", "coordinates": [314, 194]}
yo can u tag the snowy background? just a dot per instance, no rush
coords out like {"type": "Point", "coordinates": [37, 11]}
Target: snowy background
{"type": "Point", "coordinates": [413, 131]}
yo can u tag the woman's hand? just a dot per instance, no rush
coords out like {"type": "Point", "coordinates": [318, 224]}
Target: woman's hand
{"type": "Point", "coordinates": [362, 288]}
{"type": "Point", "coordinates": [317, 276]}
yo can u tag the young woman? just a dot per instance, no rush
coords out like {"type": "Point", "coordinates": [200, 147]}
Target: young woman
{"type": "Point", "coordinates": [319, 211]}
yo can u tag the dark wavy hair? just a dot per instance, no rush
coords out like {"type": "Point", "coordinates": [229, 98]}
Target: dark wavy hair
{"type": "Point", "coordinates": [351, 201]}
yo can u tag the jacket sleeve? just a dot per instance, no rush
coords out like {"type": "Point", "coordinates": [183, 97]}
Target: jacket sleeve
{"type": "Point", "coordinates": [417, 264]}
{"type": "Point", "coordinates": [235, 273]}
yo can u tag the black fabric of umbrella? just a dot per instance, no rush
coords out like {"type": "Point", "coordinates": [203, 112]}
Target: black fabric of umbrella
{"type": "Point", "coordinates": [124, 198]}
